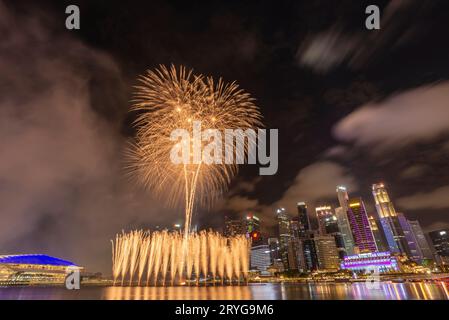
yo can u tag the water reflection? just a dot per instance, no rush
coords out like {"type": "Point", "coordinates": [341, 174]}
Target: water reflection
{"type": "Point", "coordinates": [346, 291]}
{"type": "Point", "coordinates": [333, 291]}
{"type": "Point", "coordinates": [178, 293]}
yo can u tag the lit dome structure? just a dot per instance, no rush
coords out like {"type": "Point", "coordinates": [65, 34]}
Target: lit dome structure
{"type": "Point", "coordinates": [34, 259]}
{"type": "Point", "coordinates": [24, 269]}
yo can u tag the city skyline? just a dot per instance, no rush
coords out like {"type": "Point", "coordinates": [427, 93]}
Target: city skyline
{"type": "Point", "coordinates": [343, 237]}
{"type": "Point", "coordinates": [349, 115]}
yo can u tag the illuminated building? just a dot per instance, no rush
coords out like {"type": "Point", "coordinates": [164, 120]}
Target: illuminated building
{"type": "Point", "coordinates": [440, 240]}
{"type": "Point", "coordinates": [306, 251]}
{"type": "Point", "coordinates": [33, 269]}
{"type": "Point", "coordinates": [413, 250]}
{"type": "Point", "coordinates": [377, 233]}
{"type": "Point", "coordinates": [303, 220]}
{"type": "Point", "coordinates": [391, 226]}
{"type": "Point", "coordinates": [328, 225]}
{"type": "Point", "coordinates": [310, 256]}
{"type": "Point", "coordinates": [234, 227]}
{"type": "Point", "coordinates": [326, 252]}
{"type": "Point", "coordinates": [327, 221]}
{"type": "Point", "coordinates": [253, 229]}
{"type": "Point", "coordinates": [366, 262]}
{"type": "Point", "coordinates": [297, 249]}
{"type": "Point", "coordinates": [421, 239]}
{"type": "Point", "coordinates": [360, 227]}
{"type": "Point", "coordinates": [285, 236]}
{"type": "Point", "coordinates": [273, 244]}
{"type": "Point", "coordinates": [252, 223]}
{"type": "Point", "coordinates": [342, 218]}
{"type": "Point", "coordinates": [260, 259]}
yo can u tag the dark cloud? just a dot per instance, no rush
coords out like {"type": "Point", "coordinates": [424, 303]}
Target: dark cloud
{"type": "Point", "coordinates": [414, 171]}
{"type": "Point", "coordinates": [317, 182]}
{"type": "Point", "coordinates": [435, 199]}
{"type": "Point", "coordinates": [328, 49]}
{"type": "Point", "coordinates": [413, 116]}
{"type": "Point", "coordinates": [62, 190]}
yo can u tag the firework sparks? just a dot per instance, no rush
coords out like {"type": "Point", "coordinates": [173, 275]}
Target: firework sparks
{"type": "Point", "coordinates": [209, 255]}
{"type": "Point", "coordinates": [169, 99]}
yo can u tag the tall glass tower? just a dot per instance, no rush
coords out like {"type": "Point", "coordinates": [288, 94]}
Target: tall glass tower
{"type": "Point", "coordinates": [342, 218]}
{"type": "Point", "coordinates": [421, 239]}
{"type": "Point", "coordinates": [303, 220]}
{"type": "Point", "coordinates": [285, 237]}
{"type": "Point", "coordinates": [389, 220]}
{"type": "Point", "coordinates": [306, 251]}
{"type": "Point", "coordinates": [361, 229]}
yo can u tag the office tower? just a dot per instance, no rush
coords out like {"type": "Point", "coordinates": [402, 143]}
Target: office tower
{"type": "Point", "coordinates": [342, 218]}
{"type": "Point", "coordinates": [377, 233]}
{"type": "Point", "coordinates": [305, 247]}
{"type": "Point", "coordinates": [421, 239]}
{"type": "Point", "coordinates": [292, 256]}
{"type": "Point", "coordinates": [327, 221]}
{"type": "Point", "coordinates": [310, 255]}
{"type": "Point", "coordinates": [328, 225]}
{"type": "Point", "coordinates": [273, 244]}
{"type": "Point", "coordinates": [260, 258]}
{"type": "Point", "coordinates": [343, 198]}
{"type": "Point", "coordinates": [234, 227]}
{"type": "Point", "coordinates": [326, 252]}
{"type": "Point", "coordinates": [359, 223]}
{"type": "Point", "coordinates": [253, 229]}
{"type": "Point", "coordinates": [283, 219]}
{"type": "Point", "coordinates": [297, 244]}
{"type": "Point", "coordinates": [252, 223]}
{"type": "Point", "coordinates": [440, 241]}
{"type": "Point", "coordinates": [345, 230]}
{"type": "Point", "coordinates": [303, 220]}
{"type": "Point", "coordinates": [413, 250]}
{"type": "Point", "coordinates": [389, 221]}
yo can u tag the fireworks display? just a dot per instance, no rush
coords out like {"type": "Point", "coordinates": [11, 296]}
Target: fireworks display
{"type": "Point", "coordinates": [169, 99]}
{"type": "Point", "coordinates": [163, 257]}
{"type": "Point", "coordinates": [166, 100]}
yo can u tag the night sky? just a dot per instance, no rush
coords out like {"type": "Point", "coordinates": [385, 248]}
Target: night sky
{"type": "Point", "coordinates": [352, 107]}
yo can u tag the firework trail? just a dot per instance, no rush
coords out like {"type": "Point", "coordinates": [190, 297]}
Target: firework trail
{"type": "Point", "coordinates": [208, 255]}
{"type": "Point", "coordinates": [168, 99]}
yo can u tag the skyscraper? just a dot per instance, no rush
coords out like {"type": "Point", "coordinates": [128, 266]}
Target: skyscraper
{"type": "Point", "coordinates": [303, 220]}
{"type": "Point", "coordinates": [296, 248]}
{"type": "Point", "coordinates": [234, 227]}
{"type": "Point", "coordinates": [327, 221]}
{"type": "Point", "coordinates": [303, 239]}
{"type": "Point", "coordinates": [343, 198]}
{"type": "Point", "coordinates": [273, 244]}
{"type": "Point", "coordinates": [342, 218]}
{"type": "Point", "coordinates": [252, 223]}
{"type": "Point", "coordinates": [285, 237]}
{"type": "Point", "coordinates": [328, 225]}
{"type": "Point", "coordinates": [260, 258]}
{"type": "Point", "coordinates": [310, 255]}
{"type": "Point", "coordinates": [421, 239]}
{"type": "Point", "coordinates": [327, 253]}
{"type": "Point", "coordinates": [389, 220]}
{"type": "Point", "coordinates": [377, 233]}
{"type": "Point", "coordinates": [413, 250]}
{"type": "Point", "coordinates": [359, 223]}
{"type": "Point", "coordinates": [253, 229]}
{"type": "Point", "coordinates": [440, 241]}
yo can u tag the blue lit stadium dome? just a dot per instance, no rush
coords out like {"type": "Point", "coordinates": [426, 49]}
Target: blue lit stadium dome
{"type": "Point", "coordinates": [37, 259]}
